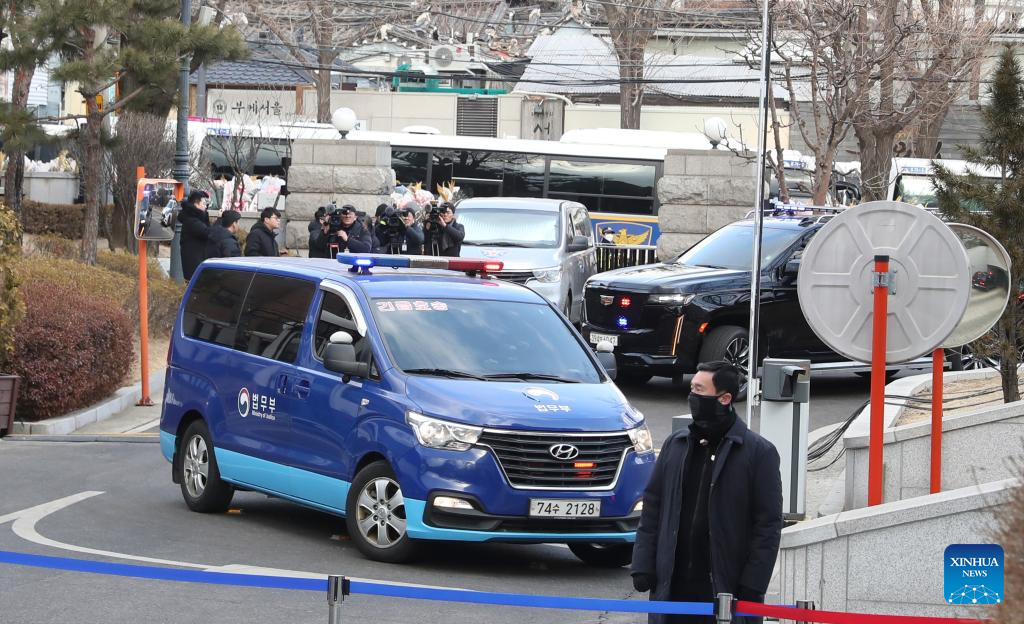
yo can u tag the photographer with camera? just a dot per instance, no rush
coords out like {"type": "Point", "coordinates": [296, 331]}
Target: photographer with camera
{"type": "Point", "coordinates": [340, 231]}
{"type": "Point", "coordinates": [442, 235]}
{"type": "Point", "coordinates": [399, 233]}
{"type": "Point", "coordinates": [318, 227]}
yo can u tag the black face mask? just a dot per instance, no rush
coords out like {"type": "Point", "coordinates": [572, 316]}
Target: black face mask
{"type": "Point", "coordinates": [707, 411]}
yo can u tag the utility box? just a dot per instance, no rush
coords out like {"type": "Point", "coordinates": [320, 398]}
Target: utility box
{"type": "Point", "coordinates": [785, 417]}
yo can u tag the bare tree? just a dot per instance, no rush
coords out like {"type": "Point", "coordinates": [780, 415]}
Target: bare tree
{"type": "Point", "coordinates": [913, 61]}
{"type": "Point", "coordinates": [142, 141]}
{"type": "Point", "coordinates": [314, 32]}
{"type": "Point", "coordinates": [631, 25]}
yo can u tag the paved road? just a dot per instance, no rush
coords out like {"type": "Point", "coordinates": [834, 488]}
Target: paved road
{"type": "Point", "coordinates": [127, 507]}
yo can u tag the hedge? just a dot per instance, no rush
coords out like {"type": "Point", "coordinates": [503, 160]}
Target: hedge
{"type": "Point", "coordinates": [71, 349]}
{"type": "Point", "coordinates": [61, 219]}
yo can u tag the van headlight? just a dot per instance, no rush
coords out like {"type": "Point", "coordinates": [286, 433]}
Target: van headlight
{"type": "Point", "coordinates": [548, 276]}
{"type": "Point", "coordinates": [436, 433]}
{"type": "Point", "coordinates": [641, 439]}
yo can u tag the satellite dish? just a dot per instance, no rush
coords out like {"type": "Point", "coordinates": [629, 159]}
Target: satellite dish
{"type": "Point", "coordinates": [990, 284]}
{"type": "Point", "coordinates": [405, 59]}
{"type": "Point", "coordinates": [443, 56]}
{"type": "Point", "coordinates": [931, 280]}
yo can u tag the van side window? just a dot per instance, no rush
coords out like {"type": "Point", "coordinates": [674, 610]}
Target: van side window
{"type": "Point", "coordinates": [334, 316]}
{"type": "Point", "coordinates": [211, 313]}
{"type": "Point", "coordinates": [581, 224]}
{"type": "Point", "coordinates": [273, 316]}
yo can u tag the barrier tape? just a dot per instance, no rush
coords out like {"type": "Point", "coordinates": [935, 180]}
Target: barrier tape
{"type": "Point", "coordinates": [372, 588]}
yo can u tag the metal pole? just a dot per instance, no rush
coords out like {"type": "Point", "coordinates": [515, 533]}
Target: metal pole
{"type": "Point", "coordinates": [337, 589]}
{"type": "Point", "coordinates": [140, 172]}
{"type": "Point", "coordinates": [938, 363]}
{"type": "Point", "coordinates": [201, 91]}
{"type": "Point", "coordinates": [181, 142]}
{"type": "Point", "coordinates": [723, 608]}
{"type": "Point", "coordinates": [806, 605]}
{"type": "Point", "coordinates": [753, 387]}
{"type": "Point", "coordinates": [876, 465]}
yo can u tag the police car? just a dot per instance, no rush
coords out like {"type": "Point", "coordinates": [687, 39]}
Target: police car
{"type": "Point", "coordinates": [417, 403]}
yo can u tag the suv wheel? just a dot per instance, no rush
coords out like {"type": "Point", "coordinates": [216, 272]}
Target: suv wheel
{"type": "Point", "coordinates": [728, 343]}
{"type": "Point", "coordinates": [375, 515]}
{"type": "Point", "coordinates": [201, 485]}
{"type": "Point", "coordinates": [603, 555]}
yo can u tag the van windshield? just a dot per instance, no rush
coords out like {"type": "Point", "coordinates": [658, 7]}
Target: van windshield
{"type": "Point", "coordinates": [469, 338]}
{"type": "Point", "coordinates": [509, 227]}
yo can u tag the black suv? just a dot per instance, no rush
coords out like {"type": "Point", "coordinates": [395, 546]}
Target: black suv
{"type": "Point", "coordinates": [665, 318]}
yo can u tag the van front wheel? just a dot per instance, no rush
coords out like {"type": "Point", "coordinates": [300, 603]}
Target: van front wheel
{"type": "Point", "coordinates": [201, 485]}
{"type": "Point", "coordinates": [375, 515]}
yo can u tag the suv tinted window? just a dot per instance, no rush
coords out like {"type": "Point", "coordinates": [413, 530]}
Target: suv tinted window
{"type": "Point", "coordinates": [211, 314]}
{"type": "Point", "coordinates": [273, 317]}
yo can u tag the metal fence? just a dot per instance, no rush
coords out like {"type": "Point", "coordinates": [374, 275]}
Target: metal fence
{"type": "Point", "coordinates": [617, 256]}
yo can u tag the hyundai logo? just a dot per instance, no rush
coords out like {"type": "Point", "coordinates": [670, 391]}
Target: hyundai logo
{"type": "Point", "coordinates": [565, 452]}
{"type": "Point", "coordinates": [607, 299]}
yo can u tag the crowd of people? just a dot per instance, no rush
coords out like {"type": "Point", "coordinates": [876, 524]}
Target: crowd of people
{"type": "Point", "coordinates": [332, 230]}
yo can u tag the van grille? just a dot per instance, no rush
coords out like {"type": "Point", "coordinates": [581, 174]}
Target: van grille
{"type": "Point", "coordinates": [519, 277]}
{"type": "Point", "coordinates": [527, 461]}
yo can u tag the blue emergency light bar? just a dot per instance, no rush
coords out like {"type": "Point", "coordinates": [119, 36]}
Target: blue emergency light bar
{"type": "Point", "coordinates": [364, 262]}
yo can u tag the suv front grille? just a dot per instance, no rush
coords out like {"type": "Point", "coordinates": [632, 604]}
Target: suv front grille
{"type": "Point", "coordinates": [527, 462]}
{"type": "Point", "coordinates": [602, 315]}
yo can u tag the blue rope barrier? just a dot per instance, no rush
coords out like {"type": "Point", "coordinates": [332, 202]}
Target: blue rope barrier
{"type": "Point", "coordinates": [369, 588]}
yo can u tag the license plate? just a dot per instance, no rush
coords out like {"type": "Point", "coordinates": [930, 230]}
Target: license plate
{"type": "Point", "coordinates": [559, 508]}
{"type": "Point", "coordinates": [596, 338]}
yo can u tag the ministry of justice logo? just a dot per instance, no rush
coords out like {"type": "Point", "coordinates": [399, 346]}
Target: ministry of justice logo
{"type": "Point", "coordinates": [973, 574]}
{"type": "Point", "coordinates": [243, 402]}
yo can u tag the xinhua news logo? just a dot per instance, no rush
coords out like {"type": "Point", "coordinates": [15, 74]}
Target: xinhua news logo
{"type": "Point", "coordinates": [974, 574]}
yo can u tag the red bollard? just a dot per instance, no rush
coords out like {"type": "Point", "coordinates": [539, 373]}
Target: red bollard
{"type": "Point", "coordinates": [938, 362]}
{"type": "Point", "coordinates": [876, 467]}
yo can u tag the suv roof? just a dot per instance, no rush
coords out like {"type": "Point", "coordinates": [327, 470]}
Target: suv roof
{"type": "Point", "coordinates": [387, 281]}
{"type": "Point", "coordinates": [519, 203]}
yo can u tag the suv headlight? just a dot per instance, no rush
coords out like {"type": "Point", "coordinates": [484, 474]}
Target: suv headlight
{"type": "Point", "coordinates": [673, 298]}
{"type": "Point", "coordinates": [641, 439]}
{"type": "Point", "coordinates": [435, 433]}
{"type": "Point", "coordinates": [548, 276]}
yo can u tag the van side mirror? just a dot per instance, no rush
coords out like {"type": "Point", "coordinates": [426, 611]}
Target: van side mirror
{"type": "Point", "coordinates": [606, 355]}
{"type": "Point", "coordinates": [340, 356]}
{"type": "Point", "coordinates": [578, 243]}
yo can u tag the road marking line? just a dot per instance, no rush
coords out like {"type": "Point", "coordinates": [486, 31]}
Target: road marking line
{"type": "Point", "coordinates": [25, 527]}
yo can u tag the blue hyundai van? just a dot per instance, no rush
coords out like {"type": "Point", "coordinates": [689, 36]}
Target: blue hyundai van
{"type": "Point", "coordinates": [416, 402]}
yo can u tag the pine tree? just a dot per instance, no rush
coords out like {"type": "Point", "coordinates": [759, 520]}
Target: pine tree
{"type": "Point", "coordinates": [997, 208]}
{"type": "Point", "coordinates": [104, 42]}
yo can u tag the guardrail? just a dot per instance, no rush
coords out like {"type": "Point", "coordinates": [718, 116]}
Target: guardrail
{"type": "Point", "coordinates": [618, 256]}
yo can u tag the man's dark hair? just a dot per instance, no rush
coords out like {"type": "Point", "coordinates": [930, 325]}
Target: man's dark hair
{"type": "Point", "coordinates": [724, 375]}
{"type": "Point", "coordinates": [195, 196]}
{"type": "Point", "coordinates": [266, 213]}
{"type": "Point", "coordinates": [228, 217]}
{"type": "Point", "coordinates": [446, 206]}
{"type": "Point", "coordinates": [407, 211]}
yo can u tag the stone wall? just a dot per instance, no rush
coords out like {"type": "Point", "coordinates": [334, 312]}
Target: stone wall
{"type": "Point", "coordinates": [349, 172]}
{"type": "Point", "coordinates": [699, 192]}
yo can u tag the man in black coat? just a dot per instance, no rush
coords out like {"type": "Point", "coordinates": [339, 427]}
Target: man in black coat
{"type": "Point", "coordinates": [222, 242]}
{"type": "Point", "coordinates": [261, 241]}
{"type": "Point", "coordinates": [443, 236]}
{"type": "Point", "coordinates": [195, 229]}
{"type": "Point", "coordinates": [712, 516]}
{"type": "Point", "coordinates": [318, 227]}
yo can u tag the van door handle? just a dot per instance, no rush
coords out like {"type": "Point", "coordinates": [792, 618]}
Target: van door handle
{"type": "Point", "coordinates": [282, 384]}
{"type": "Point", "coordinates": [302, 388]}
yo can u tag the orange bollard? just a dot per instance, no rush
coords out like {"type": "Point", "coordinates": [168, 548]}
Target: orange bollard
{"type": "Point", "coordinates": [140, 172]}
{"type": "Point", "coordinates": [876, 466]}
{"type": "Point", "coordinates": [938, 361]}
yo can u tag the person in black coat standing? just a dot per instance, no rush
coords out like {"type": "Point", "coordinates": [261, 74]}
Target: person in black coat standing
{"type": "Point", "coordinates": [222, 242]}
{"type": "Point", "coordinates": [712, 515]}
{"type": "Point", "coordinates": [195, 229]}
{"type": "Point", "coordinates": [261, 241]}
{"type": "Point", "coordinates": [442, 236]}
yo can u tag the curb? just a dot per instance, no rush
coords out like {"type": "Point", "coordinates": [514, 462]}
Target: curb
{"type": "Point", "coordinates": [106, 437]}
{"type": "Point", "coordinates": [122, 399]}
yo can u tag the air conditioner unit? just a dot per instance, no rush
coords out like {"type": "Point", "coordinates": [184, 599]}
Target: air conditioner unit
{"type": "Point", "coordinates": [405, 59]}
{"type": "Point", "coordinates": [442, 56]}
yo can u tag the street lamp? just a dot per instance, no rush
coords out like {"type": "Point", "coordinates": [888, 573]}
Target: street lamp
{"type": "Point", "coordinates": [715, 130]}
{"type": "Point", "coordinates": [344, 120]}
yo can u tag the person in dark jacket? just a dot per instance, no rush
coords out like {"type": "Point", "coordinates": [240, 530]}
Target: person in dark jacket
{"type": "Point", "coordinates": [318, 234]}
{"type": "Point", "coordinates": [223, 242]}
{"type": "Point", "coordinates": [443, 236]}
{"type": "Point", "coordinates": [261, 241]}
{"type": "Point", "coordinates": [195, 229]}
{"type": "Point", "coordinates": [712, 515]}
{"type": "Point", "coordinates": [400, 233]}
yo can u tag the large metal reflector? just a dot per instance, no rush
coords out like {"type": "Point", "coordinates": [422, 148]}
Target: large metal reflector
{"type": "Point", "coordinates": [931, 280]}
{"type": "Point", "coordinates": [990, 284]}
